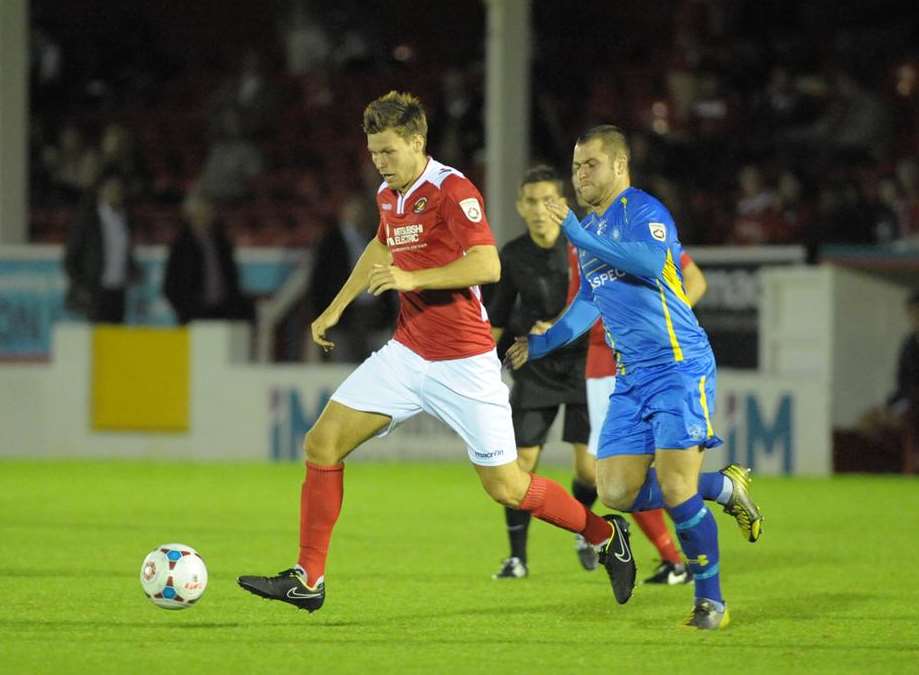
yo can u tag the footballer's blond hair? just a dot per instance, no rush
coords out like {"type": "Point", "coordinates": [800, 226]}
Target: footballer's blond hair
{"type": "Point", "coordinates": [398, 110]}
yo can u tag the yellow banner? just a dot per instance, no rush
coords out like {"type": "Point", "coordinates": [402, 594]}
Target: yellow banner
{"type": "Point", "coordinates": [140, 379]}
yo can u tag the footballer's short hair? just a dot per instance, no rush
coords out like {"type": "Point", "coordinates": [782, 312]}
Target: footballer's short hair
{"type": "Point", "coordinates": [542, 173]}
{"type": "Point", "coordinates": [400, 111]}
{"type": "Point", "coordinates": [613, 140]}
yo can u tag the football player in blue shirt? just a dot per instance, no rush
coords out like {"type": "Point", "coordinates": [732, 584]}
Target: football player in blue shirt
{"type": "Point", "coordinates": [661, 409]}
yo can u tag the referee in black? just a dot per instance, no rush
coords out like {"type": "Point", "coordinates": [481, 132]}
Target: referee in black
{"type": "Point", "coordinates": [532, 293]}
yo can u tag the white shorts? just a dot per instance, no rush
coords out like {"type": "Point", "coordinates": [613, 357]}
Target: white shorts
{"type": "Point", "coordinates": [466, 394]}
{"type": "Point", "coordinates": [599, 391]}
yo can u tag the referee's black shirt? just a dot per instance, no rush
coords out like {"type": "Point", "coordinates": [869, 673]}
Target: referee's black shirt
{"type": "Point", "coordinates": [534, 287]}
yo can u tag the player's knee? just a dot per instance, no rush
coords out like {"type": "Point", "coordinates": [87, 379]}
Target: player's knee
{"type": "Point", "coordinates": [503, 494]}
{"type": "Point", "coordinates": [320, 447]}
{"type": "Point", "coordinates": [508, 488]}
{"type": "Point", "coordinates": [676, 488]}
{"type": "Point", "coordinates": [617, 495]}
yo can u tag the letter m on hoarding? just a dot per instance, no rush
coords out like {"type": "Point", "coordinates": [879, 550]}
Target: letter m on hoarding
{"type": "Point", "coordinates": [765, 439]}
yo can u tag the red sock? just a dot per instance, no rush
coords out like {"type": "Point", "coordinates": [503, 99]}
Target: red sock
{"type": "Point", "coordinates": [655, 529]}
{"type": "Point", "coordinates": [320, 504]}
{"type": "Point", "coordinates": [548, 501]}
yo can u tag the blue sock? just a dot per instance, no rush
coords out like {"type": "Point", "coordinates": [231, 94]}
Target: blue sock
{"type": "Point", "coordinates": [698, 533]}
{"type": "Point", "coordinates": [713, 486]}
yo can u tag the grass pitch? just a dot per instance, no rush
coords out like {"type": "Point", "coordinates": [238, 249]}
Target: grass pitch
{"type": "Point", "coordinates": [829, 588]}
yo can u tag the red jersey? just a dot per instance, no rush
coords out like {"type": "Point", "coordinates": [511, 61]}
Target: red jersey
{"type": "Point", "coordinates": [434, 223]}
{"type": "Point", "coordinates": [601, 362]}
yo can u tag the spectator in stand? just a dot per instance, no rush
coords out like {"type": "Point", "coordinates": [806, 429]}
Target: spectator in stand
{"type": "Point", "coordinates": [72, 165]}
{"type": "Point", "coordinates": [119, 153]}
{"type": "Point", "coordinates": [856, 125]}
{"type": "Point", "coordinates": [231, 163]}
{"type": "Point", "coordinates": [756, 211]}
{"type": "Point", "coordinates": [863, 124]}
{"type": "Point", "coordinates": [780, 105]}
{"type": "Point", "coordinates": [202, 279]}
{"type": "Point", "coordinates": [458, 114]}
{"type": "Point", "coordinates": [99, 255]}
{"type": "Point", "coordinates": [710, 113]}
{"type": "Point", "coordinates": [898, 418]}
{"type": "Point", "coordinates": [889, 214]}
{"type": "Point", "coordinates": [367, 323]}
{"type": "Point", "coordinates": [307, 45]}
{"type": "Point", "coordinates": [251, 94]}
{"type": "Point", "coordinates": [908, 179]}
{"type": "Point", "coordinates": [795, 216]}
{"type": "Point", "coordinates": [906, 395]}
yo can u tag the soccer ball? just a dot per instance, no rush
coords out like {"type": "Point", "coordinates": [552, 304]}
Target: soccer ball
{"type": "Point", "coordinates": [173, 576]}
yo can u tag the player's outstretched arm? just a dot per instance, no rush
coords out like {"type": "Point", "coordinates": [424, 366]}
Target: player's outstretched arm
{"type": "Point", "coordinates": [579, 318]}
{"type": "Point", "coordinates": [480, 265]}
{"type": "Point", "coordinates": [374, 254]}
{"type": "Point", "coordinates": [635, 257]}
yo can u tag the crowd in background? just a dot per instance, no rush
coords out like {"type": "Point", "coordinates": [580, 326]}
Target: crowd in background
{"type": "Point", "coordinates": [206, 126]}
{"type": "Point", "coordinates": [754, 124]}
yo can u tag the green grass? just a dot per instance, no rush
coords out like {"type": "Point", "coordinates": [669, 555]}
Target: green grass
{"type": "Point", "coordinates": [829, 587]}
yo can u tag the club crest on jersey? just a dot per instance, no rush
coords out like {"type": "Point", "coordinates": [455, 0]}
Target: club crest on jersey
{"type": "Point", "coordinates": [658, 231]}
{"type": "Point", "coordinates": [601, 226]}
{"type": "Point", "coordinates": [472, 209]}
{"type": "Point", "coordinates": [420, 205]}
{"type": "Point", "coordinates": [387, 206]}
{"type": "Point", "coordinates": [616, 234]}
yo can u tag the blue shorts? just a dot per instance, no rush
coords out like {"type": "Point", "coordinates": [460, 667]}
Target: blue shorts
{"type": "Point", "coordinates": [667, 406]}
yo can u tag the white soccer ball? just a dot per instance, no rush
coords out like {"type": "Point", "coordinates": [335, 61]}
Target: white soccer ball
{"type": "Point", "coordinates": [173, 576]}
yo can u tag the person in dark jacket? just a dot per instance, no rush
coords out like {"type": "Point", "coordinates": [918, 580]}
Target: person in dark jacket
{"type": "Point", "coordinates": [367, 323]}
{"type": "Point", "coordinates": [99, 255]}
{"type": "Point", "coordinates": [906, 394]}
{"type": "Point", "coordinates": [202, 279]}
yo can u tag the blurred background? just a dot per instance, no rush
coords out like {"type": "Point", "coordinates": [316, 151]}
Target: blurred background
{"type": "Point", "coordinates": [224, 139]}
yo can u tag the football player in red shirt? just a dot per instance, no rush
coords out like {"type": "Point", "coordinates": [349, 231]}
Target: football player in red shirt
{"type": "Point", "coordinates": [435, 247]}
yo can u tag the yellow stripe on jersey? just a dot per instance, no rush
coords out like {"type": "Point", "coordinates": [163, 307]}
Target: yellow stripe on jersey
{"type": "Point", "coordinates": [703, 399]}
{"type": "Point", "coordinates": [674, 343]}
{"type": "Point", "coordinates": [672, 279]}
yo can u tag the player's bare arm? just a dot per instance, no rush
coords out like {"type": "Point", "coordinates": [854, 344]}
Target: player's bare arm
{"type": "Point", "coordinates": [480, 265]}
{"type": "Point", "coordinates": [694, 283]}
{"type": "Point", "coordinates": [375, 254]}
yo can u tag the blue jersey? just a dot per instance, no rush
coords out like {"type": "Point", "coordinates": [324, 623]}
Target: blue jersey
{"type": "Point", "coordinates": [645, 312]}
{"type": "Point", "coordinates": [630, 272]}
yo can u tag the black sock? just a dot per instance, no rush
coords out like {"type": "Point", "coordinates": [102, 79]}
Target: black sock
{"type": "Point", "coordinates": [584, 492]}
{"type": "Point", "coordinates": [517, 524]}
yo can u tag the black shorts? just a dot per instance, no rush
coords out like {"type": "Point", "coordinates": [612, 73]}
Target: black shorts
{"type": "Point", "coordinates": [531, 426]}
